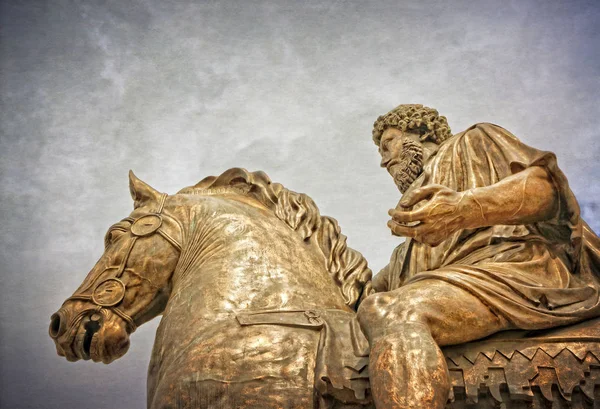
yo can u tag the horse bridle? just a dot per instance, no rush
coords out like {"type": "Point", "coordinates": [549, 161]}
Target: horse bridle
{"type": "Point", "coordinates": [109, 293]}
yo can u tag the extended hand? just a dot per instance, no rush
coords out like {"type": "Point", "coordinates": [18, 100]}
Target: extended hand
{"type": "Point", "coordinates": [437, 219]}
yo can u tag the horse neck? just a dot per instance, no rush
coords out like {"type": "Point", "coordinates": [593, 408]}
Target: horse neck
{"type": "Point", "coordinates": [237, 256]}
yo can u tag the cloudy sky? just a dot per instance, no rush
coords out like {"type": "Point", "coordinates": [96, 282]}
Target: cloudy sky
{"type": "Point", "coordinates": [178, 90]}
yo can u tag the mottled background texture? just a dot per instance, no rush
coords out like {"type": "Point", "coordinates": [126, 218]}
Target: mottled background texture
{"type": "Point", "coordinates": [178, 90]}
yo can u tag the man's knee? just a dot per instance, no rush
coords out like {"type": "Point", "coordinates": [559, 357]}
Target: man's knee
{"type": "Point", "coordinates": [382, 312]}
{"type": "Point", "coordinates": [372, 309]}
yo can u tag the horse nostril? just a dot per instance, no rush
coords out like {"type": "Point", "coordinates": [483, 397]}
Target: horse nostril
{"type": "Point", "coordinates": [55, 325]}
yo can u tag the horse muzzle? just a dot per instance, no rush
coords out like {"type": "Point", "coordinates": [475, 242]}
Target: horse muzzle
{"type": "Point", "coordinates": [90, 334]}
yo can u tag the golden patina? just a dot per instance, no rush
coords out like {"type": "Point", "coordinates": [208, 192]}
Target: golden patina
{"type": "Point", "coordinates": [257, 290]}
{"type": "Point", "coordinates": [494, 243]}
{"type": "Point", "coordinates": [492, 299]}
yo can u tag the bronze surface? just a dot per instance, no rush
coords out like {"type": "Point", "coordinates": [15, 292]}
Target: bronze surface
{"type": "Point", "coordinates": [492, 300]}
{"type": "Point", "coordinates": [494, 242]}
{"type": "Point", "coordinates": [257, 290]}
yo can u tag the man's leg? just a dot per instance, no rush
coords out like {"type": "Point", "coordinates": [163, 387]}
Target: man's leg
{"type": "Point", "coordinates": [405, 329]}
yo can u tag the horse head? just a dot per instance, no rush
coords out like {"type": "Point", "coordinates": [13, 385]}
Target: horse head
{"type": "Point", "coordinates": [129, 285]}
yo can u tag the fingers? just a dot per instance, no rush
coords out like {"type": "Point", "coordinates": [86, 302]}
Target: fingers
{"type": "Point", "coordinates": [418, 233]}
{"type": "Point", "coordinates": [402, 230]}
{"type": "Point", "coordinates": [414, 197]}
{"type": "Point", "coordinates": [407, 216]}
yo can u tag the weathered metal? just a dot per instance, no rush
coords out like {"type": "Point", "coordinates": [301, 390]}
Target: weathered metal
{"type": "Point", "coordinates": [495, 242]}
{"type": "Point", "coordinates": [257, 290]}
{"type": "Point", "coordinates": [492, 301]}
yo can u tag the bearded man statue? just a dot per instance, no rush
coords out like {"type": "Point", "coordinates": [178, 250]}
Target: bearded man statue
{"type": "Point", "coordinates": [494, 241]}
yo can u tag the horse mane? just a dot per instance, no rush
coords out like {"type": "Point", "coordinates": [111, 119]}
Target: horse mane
{"type": "Point", "coordinates": [346, 266]}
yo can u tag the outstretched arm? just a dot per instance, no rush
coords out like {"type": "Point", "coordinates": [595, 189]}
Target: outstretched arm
{"type": "Point", "coordinates": [525, 197]}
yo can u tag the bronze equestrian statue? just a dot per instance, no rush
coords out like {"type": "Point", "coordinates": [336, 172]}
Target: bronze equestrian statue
{"type": "Point", "coordinates": [264, 306]}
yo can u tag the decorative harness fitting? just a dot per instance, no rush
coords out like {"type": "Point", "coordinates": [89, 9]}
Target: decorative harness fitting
{"type": "Point", "coordinates": [111, 291]}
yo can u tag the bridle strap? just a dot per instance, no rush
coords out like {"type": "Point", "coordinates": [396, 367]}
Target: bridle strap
{"type": "Point", "coordinates": [170, 239]}
{"type": "Point", "coordinates": [161, 203]}
{"type": "Point", "coordinates": [160, 230]}
{"type": "Point", "coordinates": [121, 269]}
{"type": "Point", "coordinates": [125, 318]}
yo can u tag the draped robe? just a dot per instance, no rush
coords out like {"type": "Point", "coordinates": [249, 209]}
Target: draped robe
{"type": "Point", "coordinates": [537, 275]}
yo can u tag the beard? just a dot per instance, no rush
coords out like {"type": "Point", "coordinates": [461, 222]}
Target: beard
{"type": "Point", "coordinates": [408, 166]}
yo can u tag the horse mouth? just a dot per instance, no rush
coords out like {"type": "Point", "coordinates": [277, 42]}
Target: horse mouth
{"type": "Point", "coordinates": [90, 335]}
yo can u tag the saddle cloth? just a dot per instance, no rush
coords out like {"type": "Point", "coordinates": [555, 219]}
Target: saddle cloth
{"type": "Point", "coordinates": [342, 354]}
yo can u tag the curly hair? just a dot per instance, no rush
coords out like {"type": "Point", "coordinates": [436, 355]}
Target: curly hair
{"type": "Point", "coordinates": [425, 120]}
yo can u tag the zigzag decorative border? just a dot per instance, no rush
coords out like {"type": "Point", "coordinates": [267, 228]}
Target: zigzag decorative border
{"type": "Point", "coordinates": [561, 365]}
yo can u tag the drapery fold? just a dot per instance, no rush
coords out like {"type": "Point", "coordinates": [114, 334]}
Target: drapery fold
{"type": "Point", "coordinates": [538, 275]}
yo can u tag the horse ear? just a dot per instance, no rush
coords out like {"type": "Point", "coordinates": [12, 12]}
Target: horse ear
{"type": "Point", "coordinates": [141, 192]}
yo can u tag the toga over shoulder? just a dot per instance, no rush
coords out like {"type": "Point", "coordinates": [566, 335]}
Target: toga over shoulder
{"type": "Point", "coordinates": [538, 275]}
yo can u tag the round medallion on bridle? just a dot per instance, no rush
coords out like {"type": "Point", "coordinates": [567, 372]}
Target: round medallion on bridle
{"type": "Point", "coordinates": [108, 293]}
{"type": "Point", "coordinates": [146, 225]}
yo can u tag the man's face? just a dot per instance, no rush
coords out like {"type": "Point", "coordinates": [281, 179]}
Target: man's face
{"type": "Point", "coordinates": [402, 156]}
